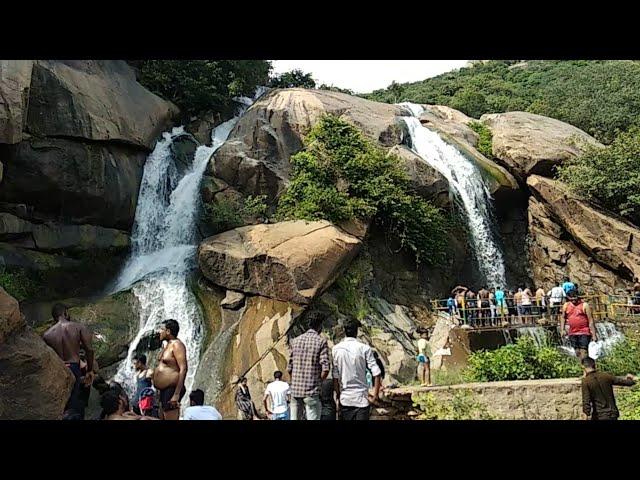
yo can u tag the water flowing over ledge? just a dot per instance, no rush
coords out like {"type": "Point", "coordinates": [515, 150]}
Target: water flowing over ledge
{"type": "Point", "coordinates": [466, 181]}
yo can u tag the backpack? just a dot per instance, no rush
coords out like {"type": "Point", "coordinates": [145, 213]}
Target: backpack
{"type": "Point", "coordinates": [146, 399]}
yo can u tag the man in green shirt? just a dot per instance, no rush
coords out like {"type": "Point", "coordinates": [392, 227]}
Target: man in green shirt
{"type": "Point", "coordinates": [598, 400]}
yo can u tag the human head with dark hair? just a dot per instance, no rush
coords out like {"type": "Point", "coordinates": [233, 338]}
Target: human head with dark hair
{"type": "Point", "coordinates": [566, 279]}
{"type": "Point", "coordinates": [170, 329]}
{"type": "Point", "coordinates": [351, 329]}
{"type": "Point", "coordinates": [315, 320]}
{"type": "Point", "coordinates": [196, 397]}
{"type": "Point", "coordinates": [60, 312]}
{"type": "Point", "coordinates": [588, 363]}
{"type": "Point", "coordinates": [111, 402]}
{"type": "Point", "coordinates": [140, 362]}
{"type": "Point", "coordinates": [277, 375]}
{"type": "Point", "coordinates": [573, 295]}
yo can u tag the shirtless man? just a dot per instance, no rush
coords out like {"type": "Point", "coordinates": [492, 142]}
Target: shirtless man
{"type": "Point", "coordinates": [483, 304]}
{"type": "Point", "coordinates": [67, 338]}
{"type": "Point", "coordinates": [113, 407]}
{"type": "Point", "coordinates": [169, 375]}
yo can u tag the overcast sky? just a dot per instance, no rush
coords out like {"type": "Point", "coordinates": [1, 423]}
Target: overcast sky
{"type": "Point", "coordinates": [363, 76]}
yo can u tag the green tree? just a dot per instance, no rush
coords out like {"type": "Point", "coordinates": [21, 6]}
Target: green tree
{"type": "Point", "coordinates": [600, 97]}
{"type": "Point", "coordinates": [294, 78]}
{"type": "Point", "coordinates": [198, 85]}
{"type": "Point", "coordinates": [609, 176]}
{"type": "Point", "coordinates": [341, 175]}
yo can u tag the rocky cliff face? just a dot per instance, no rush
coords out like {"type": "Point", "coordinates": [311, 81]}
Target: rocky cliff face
{"type": "Point", "coordinates": [74, 136]}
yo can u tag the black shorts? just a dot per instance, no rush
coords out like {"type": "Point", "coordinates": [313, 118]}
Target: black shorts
{"type": "Point", "coordinates": [580, 341]}
{"type": "Point", "coordinates": [485, 303]}
{"type": "Point", "coordinates": [166, 394]}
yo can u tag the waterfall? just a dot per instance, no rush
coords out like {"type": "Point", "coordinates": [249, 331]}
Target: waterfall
{"type": "Point", "coordinates": [164, 243]}
{"type": "Point", "coordinates": [539, 335]}
{"type": "Point", "coordinates": [466, 181]}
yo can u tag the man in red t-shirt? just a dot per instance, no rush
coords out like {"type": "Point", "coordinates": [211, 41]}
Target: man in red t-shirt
{"type": "Point", "coordinates": [582, 330]}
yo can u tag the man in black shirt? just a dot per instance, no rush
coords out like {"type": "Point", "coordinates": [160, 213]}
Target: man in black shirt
{"type": "Point", "coordinates": [598, 400]}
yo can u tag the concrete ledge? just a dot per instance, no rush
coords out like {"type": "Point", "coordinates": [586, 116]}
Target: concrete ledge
{"type": "Point", "coordinates": [553, 399]}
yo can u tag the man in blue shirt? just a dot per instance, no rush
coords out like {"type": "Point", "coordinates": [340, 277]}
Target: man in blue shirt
{"type": "Point", "coordinates": [567, 285]}
{"type": "Point", "coordinates": [500, 301]}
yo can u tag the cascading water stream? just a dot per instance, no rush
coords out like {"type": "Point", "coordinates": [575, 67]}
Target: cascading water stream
{"type": "Point", "coordinates": [164, 246]}
{"type": "Point", "coordinates": [466, 181]}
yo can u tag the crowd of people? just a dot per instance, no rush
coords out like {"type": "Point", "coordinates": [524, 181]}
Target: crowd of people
{"type": "Point", "coordinates": [502, 307]}
{"type": "Point", "coordinates": [354, 385]}
{"type": "Point", "coordinates": [343, 383]}
{"type": "Point", "coordinates": [493, 307]}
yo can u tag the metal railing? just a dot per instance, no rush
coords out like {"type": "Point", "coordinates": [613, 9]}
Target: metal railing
{"type": "Point", "coordinates": [474, 314]}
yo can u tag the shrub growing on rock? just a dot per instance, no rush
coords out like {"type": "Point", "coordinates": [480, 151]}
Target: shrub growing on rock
{"type": "Point", "coordinates": [609, 176]}
{"type": "Point", "coordinates": [523, 360]}
{"type": "Point", "coordinates": [341, 175]}
{"type": "Point", "coordinates": [485, 141]}
{"type": "Point", "coordinates": [225, 215]}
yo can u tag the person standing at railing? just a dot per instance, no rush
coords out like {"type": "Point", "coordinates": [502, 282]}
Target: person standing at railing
{"type": "Point", "coordinates": [540, 301]}
{"type": "Point", "coordinates": [471, 302]}
{"type": "Point", "coordinates": [556, 298]}
{"type": "Point", "coordinates": [517, 298]}
{"type": "Point", "coordinates": [483, 305]}
{"type": "Point", "coordinates": [582, 330]}
{"type": "Point", "coordinates": [451, 306]}
{"type": "Point", "coordinates": [492, 305]}
{"type": "Point", "coordinates": [568, 285]}
{"type": "Point", "coordinates": [526, 304]}
{"type": "Point", "coordinates": [500, 303]}
{"type": "Point", "coordinates": [460, 300]}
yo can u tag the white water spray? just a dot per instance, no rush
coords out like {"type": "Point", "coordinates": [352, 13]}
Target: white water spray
{"type": "Point", "coordinates": [465, 179]}
{"type": "Point", "coordinates": [164, 246]}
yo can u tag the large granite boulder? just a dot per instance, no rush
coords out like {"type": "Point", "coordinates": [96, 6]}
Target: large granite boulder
{"type": "Point", "coordinates": [15, 80]}
{"type": "Point", "coordinates": [533, 144]}
{"type": "Point", "coordinates": [54, 236]}
{"type": "Point", "coordinates": [290, 261]}
{"type": "Point", "coordinates": [96, 100]}
{"type": "Point", "coordinates": [554, 254]}
{"type": "Point", "coordinates": [255, 158]}
{"type": "Point", "coordinates": [34, 382]}
{"type": "Point", "coordinates": [77, 181]}
{"type": "Point", "coordinates": [608, 240]}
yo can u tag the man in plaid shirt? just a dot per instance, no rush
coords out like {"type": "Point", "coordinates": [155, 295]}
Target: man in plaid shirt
{"type": "Point", "coordinates": [308, 366]}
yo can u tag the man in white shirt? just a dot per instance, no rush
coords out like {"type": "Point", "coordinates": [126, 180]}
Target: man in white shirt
{"type": "Point", "coordinates": [556, 299]}
{"type": "Point", "coordinates": [351, 358]}
{"type": "Point", "coordinates": [198, 410]}
{"type": "Point", "coordinates": [280, 395]}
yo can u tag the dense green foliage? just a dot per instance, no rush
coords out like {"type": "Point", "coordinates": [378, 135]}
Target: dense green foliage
{"type": "Point", "coordinates": [197, 85]}
{"type": "Point", "coordinates": [523, 360]}
{"type": "Point", "coordinates": [628, 401]}
{"type": "Point", "coordinates": [350, 289]}
{"type": "Point", "coordinates": [461, 407]}
{"type": "Point", "coordinates": [485, 138]}
{"type": "Point", "coordinates": [292, 79]}
{"type": "Point", "coordinates": [333, 88]}
{"type": "Point", "coordinates": [623, 358]}
{"type": "Point", "coordinates": [225, 214]}
{"type": "Point", "coordinates": [340, 175]}
{"type": "Point", "coordinates": [609, 176]}
{"type": "Point", "coordinates": [17, 283]}
{"type": "Point", "coordinates": [600, 97]}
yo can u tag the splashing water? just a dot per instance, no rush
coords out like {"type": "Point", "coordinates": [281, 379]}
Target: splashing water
{"type": "Point", "coordinates": [466, 181]}
{"type": "Point", "coordinates": [164, 246]}
{"type": "Point", "coordinates": [608, 336]}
